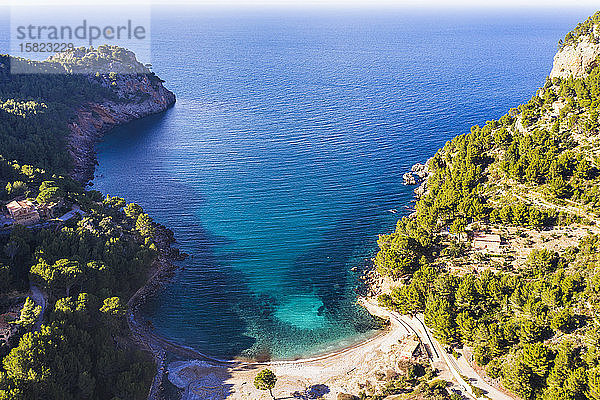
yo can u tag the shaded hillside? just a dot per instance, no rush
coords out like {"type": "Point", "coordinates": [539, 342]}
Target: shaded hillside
{"type": "Point", "coordinates": [90, 261]}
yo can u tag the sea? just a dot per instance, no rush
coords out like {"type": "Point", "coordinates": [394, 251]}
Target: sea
{"type": "Point", "coordinates": [282, 160]}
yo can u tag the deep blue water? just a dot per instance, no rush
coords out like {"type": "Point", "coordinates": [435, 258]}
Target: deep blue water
{"type": "Point", "coordinates": [287, 146]}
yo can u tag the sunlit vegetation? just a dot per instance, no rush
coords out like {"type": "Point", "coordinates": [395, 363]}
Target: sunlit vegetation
{"type": "Point", "coordinates": [88, 267]}
{"type": "Point", "coordinates": [534, 328]}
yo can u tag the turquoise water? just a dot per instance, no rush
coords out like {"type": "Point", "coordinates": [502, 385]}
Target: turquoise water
{"type": "Point", "coordinates": [286, 148]}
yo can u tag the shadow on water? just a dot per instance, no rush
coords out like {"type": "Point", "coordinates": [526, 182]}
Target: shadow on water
{"type": "Point", "coordinates": [205, 285]}
{"type": "Point", "coordinates": [209, 304]}
{"type": "Point", "coordinates": [325, 269]}
{"type": "Point", "coordinates": [136, 132]}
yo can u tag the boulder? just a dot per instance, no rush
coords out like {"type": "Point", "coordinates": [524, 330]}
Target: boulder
{"type": "Point", "coordinates": [409, 179]}
{"type": "Point", "coordinates": [344, 396]}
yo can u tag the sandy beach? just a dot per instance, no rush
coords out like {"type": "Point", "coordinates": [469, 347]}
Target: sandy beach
{"type": "Point", "coordinates": [353, 369]}
{"type": "Point", "coordinates": [357, 368]}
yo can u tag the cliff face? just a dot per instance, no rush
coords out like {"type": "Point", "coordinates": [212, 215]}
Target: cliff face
{"type": "Point", "coordinates": [93, 120]}
{"type": "Point", "coordinates": [137, 93]}
{"type": "Point", "coordinates": [575, 60]}
{"type": "Point", "coordinates": [579, 57]}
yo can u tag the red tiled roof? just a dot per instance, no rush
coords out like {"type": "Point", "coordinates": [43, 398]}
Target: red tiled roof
{"type": "Point", "coordinates": [19, 204]}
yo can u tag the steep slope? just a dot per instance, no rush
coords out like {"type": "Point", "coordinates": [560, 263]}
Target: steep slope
{"type": "Point", "coordinates": [578, 51]}
{"type": "Point", "coordinates": [501, 253]}
{"type": "Point", "coordinates": [87, 265]}
{"type": "Point", "coordinates": [93, 89]}
{"type": "Point", "coordinates": [139, 93]}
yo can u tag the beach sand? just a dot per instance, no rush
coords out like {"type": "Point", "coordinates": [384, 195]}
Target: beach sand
{"type": "Point", "coordinates": [361, 367]}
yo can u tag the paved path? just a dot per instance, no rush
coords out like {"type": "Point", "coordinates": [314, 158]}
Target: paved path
{"type": "Point", "coordinates": [436, 351]}
{"type": "Point", "coordinates": [460, 368]}
{"type": "Point", "coordinates": [401, 325]}
{"type": "Point", "coordinates": [465, 368]}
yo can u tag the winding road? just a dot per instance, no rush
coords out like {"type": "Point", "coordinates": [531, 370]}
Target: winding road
{"type": "Point", "coordinates": [401, 325]}
{"type": "Point", "coordinates": [459, 369]}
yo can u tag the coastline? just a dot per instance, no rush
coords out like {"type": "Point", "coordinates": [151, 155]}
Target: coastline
{"type": "Point", "coordinates": [89, 125]}
{"type": "Point", "coordinates": [92, 121]}
{"type": "Point", "coordinates": [480, 334]}
{"type": "Point", "coordinates": [341, 371]}
{"type": "Point", "coordinates": [152, 340]}
{"type": "Point", "coordinates": [338, 364]}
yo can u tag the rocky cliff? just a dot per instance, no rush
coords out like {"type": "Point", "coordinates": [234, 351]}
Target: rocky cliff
{"type": "Point", "coordinates": [136, 93]}
{"type": "Point", "coordinates": [579, 52]}
{"type": "Point", "coordinates": [575, 60]}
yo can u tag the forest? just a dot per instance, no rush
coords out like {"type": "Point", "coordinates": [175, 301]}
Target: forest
{"type": "Point", "coordinates": [88, 266]}
{"type": "Point", "coordinates": [533, 327]}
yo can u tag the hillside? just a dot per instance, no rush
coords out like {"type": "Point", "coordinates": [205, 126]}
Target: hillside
{"type": "Point", "coordinates": [66, 103]}
{"type": "Point", "coordinates": [501, 253]}
{"type": "Point", "coordinates": [71, 258]}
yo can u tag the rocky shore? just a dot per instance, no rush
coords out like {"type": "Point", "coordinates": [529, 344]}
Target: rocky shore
{"type": "Point", "coordinates": [93, 120]}
{"type": "Point", "coordinates": [135, 95]}
{"type": "Point", "coordinates": [133, 92]}
{"type": "Point", "coordinates": [162, 269]}
{"type": "Point", "coordinates": [417, 176]}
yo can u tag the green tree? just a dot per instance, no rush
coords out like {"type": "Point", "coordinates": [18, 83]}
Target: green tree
{"type": "Point", "coordinates": [48, 192]}
{"type": "Point", "coordinates": [63, 274]}
{"type": "Point", "coordinates": [537, 357]}
{"type": "Point", "coordinates": [398, 254]}
{"type": "Point", "coordinates": [593, 383]}
{"type": "Point", "coordinates": [133, 210]}
{"type": "Point", "coordinates": [265, 380]}
{"type": "Point", "coordinates": [563, 321]}
{"type": "Point", "coordinates": [6, 278]}
{"type": "Point", "coordinates": [516, 376]}
{"type": "Point", "coordinates": [114, 307]}
{"type": "Point", "coordinates": [542, 260]}
{"type": "Point", "coordinates": [438, 315]}
{"type": "Point", "coordinates": [114, 311]}
{"type": "Point", "coordinates": [29, 314]}
{"type": "Point", "coordinates": [144, 225]}
{"type": "Point", "coordinates": [458, 227]}
{"type": "Point", "coordinates": [114, 202]}
{"type": "Point", "coordinates": [466, 326]}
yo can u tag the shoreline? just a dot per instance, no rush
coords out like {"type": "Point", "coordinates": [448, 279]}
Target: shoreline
{"type": "Point", "coordinates": [92, 121]}
{"type": "Point", "coordinates": [338, 362]}
{"type": "Point", "coordinates": [163, 269]}
{"type": "Point", "coordinates": [341, 371]}
{"type": "Point", "coordinates": [152, 340]}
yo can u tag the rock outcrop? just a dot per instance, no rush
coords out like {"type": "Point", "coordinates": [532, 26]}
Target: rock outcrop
{"type": "Point", "coordinates": [409, 179]}
{"type": "Point", "coordinates": [577, 58]}
{"type": "Point", "coordinates": [136, 95]}
{"type": "Point", "coordinates": [418, 173]}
